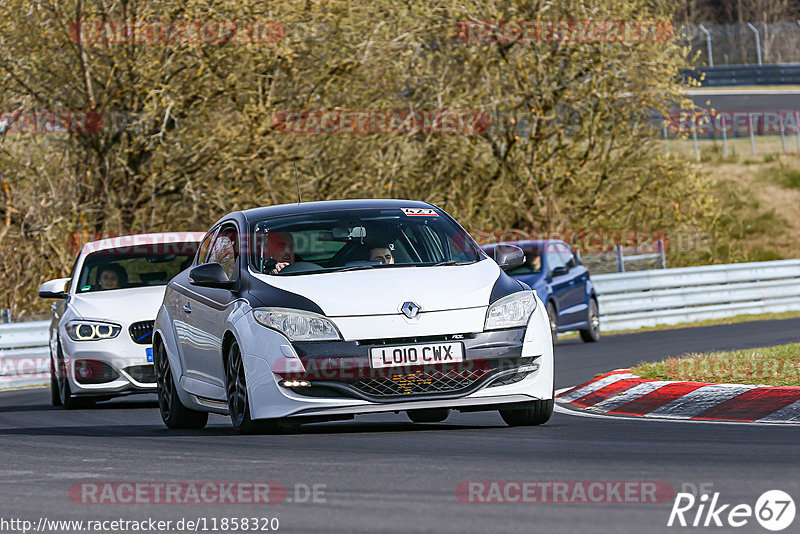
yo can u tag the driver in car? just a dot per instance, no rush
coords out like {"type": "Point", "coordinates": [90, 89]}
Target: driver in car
{"type": "Point", "coordinates": [381, 253]}
{"type": "Point", "coordinates": [280, 247]}
{"type": "Point", "coordinates": [111, 276]}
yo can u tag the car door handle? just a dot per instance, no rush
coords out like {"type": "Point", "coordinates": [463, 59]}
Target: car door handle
{"type": "Point", "coordinates": [187, 308]}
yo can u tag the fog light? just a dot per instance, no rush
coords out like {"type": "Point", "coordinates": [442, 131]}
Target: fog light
{"type": "Point", "coordinates": [84, 372]}
{"type": "Point", "coordinates": [528, 368]}
{"type": "Point", "coordinates": [295, 383]}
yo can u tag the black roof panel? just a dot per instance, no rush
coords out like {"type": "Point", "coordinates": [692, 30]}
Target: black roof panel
{"type": "Point", "coordinates": [280, 210]}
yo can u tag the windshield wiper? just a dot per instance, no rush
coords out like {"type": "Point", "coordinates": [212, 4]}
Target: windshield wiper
{"type": "Point", "coordinates": [352, 268]}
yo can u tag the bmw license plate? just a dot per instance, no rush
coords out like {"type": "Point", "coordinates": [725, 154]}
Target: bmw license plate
{"type": "Point", "coordinates": [424, 354]}
{"type": "Point", "coordinates": [149, 354]}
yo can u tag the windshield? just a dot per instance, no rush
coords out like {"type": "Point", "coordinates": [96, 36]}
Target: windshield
{"type": "Point", "coordinates": [123, 268]}
{"type": "Point", "coordinates": [359, 239]}
{"type": "Point", "coordinates": [532, 265]}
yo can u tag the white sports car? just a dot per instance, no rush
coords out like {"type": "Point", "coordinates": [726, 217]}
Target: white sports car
{"type": "Point", "coordinates": [324, 310]}
{"type": "Point", "coordinates": [101, 332]}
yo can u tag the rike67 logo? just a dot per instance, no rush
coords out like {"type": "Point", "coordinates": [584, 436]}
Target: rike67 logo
{"type": "Point", "coordinates": [774, 510]}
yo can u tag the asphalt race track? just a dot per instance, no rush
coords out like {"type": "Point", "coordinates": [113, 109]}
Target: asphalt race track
{"type": "Point", "coordinates": [382, 473]}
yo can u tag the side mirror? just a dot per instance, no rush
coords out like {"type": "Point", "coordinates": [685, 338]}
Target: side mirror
{"type": "Point", "coordinates": [54, 289]}
{"type": "Point", "coordinates": [210, 275]}
{"type": "Point", "coordinates": [560, 270]}
{"type": "Point", "coordinates": [508, 256]}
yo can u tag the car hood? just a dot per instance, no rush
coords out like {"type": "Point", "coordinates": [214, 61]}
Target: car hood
{"type": "Point", "coordinates": [119, 305]}
{"type": "Point", "coordinates": [383, 291]}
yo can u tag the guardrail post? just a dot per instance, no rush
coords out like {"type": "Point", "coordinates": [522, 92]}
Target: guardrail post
{"type": "Point", "coordinates": [708, 44]}
{"type": "Point", "coordinates": [724, 137]}
{"type": "Point", "coordinates": [758, 41]}
{"type": "Point", "coordinates": [666, 139]}
{"type": "Point", "coordinates": [620, 259]}
{"type": "Point", "coordinates": [783, 133]}
{"type": "Point", "coordinates": [660, 249]}
{"type": "Point", "coordinates": [752, 133]}
{"type": "Point", "coordinates": [5, 316]}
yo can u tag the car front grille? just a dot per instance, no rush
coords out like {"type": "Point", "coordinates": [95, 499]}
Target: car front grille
{"type": "Point", "coordinates": [142, 332]}
{"type": "Point", "coordinates": [145, 374]}
{"type": "Point", "coordinates": [421, 382]}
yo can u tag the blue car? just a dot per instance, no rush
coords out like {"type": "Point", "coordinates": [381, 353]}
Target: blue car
{"type": "Point", "coordinates": [562, 283]}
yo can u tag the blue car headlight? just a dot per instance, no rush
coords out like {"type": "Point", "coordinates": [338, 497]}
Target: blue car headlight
{"type": "Point", "coordinates": [298, 325]}
{"type": "Point", "coordinates": [511, 311]}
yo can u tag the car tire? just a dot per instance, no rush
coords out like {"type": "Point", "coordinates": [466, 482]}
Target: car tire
{"type": "Point", "coordinates": [592, 334]}
{"type": "Point", "coordinates": [174, 414]}
{"type": "Point", "coordinates": [65, 396]}
{"type": "Point", "coordinates": [55, 395]}
{"type": "Point", "coordinates": [528, 413]}
{"type": "Point", "coordinates": [238, 400]}
{"type": "Point", "coordinates": [430, 415]}
{"type": "Point", "coordinates": [552, 317]}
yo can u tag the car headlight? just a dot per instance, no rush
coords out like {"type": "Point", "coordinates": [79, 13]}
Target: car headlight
{"type": "Point", "coordinates": [92, 330]}
{"type": "Point", "coordinates": [513, 310]}
{"type": "Point", "coordinates": [298, 325]}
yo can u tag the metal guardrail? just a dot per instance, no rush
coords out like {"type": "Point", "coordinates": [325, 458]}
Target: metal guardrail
{"type": "Point", "coordinates": [24, 354]}
{"type": "Point", "coordinates": [687, 294]}
{"type": "Point", "coordinates": [785, 74]}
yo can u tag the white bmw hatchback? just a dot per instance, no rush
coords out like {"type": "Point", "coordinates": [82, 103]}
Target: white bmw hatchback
{"type": "Point", "coordinates": [101, 332]}
{"type": "Point", "coordinates": [324, 310]}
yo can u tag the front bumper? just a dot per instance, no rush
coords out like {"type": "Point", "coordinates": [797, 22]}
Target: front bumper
{"type": "Point", "coordinates": [113, 366]}
{"type": "Point", "coordinates": [342, 369]}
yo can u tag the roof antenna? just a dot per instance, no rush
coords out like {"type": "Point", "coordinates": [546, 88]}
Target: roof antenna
{"type": "Point", "coordinates": [297, 179]}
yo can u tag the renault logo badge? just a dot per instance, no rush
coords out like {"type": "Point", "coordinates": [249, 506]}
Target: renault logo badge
{"type": "Point", "coordinates": [410, 309]}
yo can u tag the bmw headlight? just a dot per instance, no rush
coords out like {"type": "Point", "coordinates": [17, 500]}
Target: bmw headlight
{"type": "Point", "coordinates": [298, 325]}
{"type": "Point", "coordinates": [511, 311]}
{"type": "Point", "coordinates": [92, 330]}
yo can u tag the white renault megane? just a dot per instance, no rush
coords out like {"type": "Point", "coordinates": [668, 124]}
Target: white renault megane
{"type": "Point", "coordinates": [324, 310]}
{"type": "Point", "coordinates": [101, 332]}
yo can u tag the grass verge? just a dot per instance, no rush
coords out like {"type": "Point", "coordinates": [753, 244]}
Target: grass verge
{"type": "Point", "coordinates": [773, 366]}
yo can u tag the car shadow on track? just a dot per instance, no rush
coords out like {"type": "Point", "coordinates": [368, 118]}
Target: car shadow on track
{"type": "Point", "coordinates": [129, 405]}
{"type": "Point", "coordinates": [155, 430]}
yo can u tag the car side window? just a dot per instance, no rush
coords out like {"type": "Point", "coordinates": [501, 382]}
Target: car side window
{"type": "Point", "coordinates": [554, 257]}
{"type": "Point", "coordinates": [205, 245]}
{"type": "Point", "coordinates": [224, 250]}
{"type": "Point", "coordinates": [567, 256]}
{"type": "Point", "coordinates": [73, 273]}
